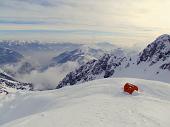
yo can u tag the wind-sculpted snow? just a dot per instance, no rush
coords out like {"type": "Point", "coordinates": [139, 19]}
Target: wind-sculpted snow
{"type": "Point", "coordinates": [99, 103]}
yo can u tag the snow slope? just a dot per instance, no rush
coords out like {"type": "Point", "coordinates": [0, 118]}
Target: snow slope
{"type": "Point", "coordinates": [99, 103]}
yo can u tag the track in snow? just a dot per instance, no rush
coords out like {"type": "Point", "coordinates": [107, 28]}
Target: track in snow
{"type": "Point", "coordinates": [100, 103]}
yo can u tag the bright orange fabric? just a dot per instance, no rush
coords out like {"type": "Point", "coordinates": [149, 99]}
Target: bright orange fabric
{"type": "Point", "coordinates": [130, 88]}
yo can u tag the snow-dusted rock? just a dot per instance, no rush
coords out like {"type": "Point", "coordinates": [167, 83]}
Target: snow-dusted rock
{"type": "Point", "coordinates": [8, 82]}
{"type": "Point", "coordinates": [102, 68]}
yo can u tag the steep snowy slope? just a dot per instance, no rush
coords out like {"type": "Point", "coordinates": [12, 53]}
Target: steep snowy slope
{"type": "Point", "coordinates": [153, 62]}
{"type": "Point", "coordinates": [99, 103]}
{"type": "Point", "coordinates": [159, 50]}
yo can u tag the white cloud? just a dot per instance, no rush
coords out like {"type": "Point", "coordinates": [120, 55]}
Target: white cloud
{"type": "Point", "coordinates": [49, 78]}
{"type": "Point", "coordinates": [134, 20]}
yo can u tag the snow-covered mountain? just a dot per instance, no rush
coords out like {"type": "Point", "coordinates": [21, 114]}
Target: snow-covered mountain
{"type": "Point", "coordinates": [23, 46]}
{"type": "Point", "coordinates": [35, 55]}
{"type": "Point", "coordinates": [8, 56]}
{"type": "Point", "coordinates": [38, 53]}
{"type": "Point", "coordinates": [43, 60]}
{"type": "Point", "coordinates": [8, 83]}
{"type": "Point", "coordinates": [61, 65]}
{"type": "Point", "coordinates": [104, 67]}
{"type": "Point", "coordinates": [81, 55]}
{"type": "Point", "coordinates": [100, 103]}
{"type": "Point", "coordinates": [13, 62]}
{"type": "Point", "coordinates": [152, 63]}
{"type": "Point", "coordinates": [157, 51]}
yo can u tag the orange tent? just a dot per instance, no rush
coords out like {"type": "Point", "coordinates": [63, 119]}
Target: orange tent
{"type": "Point", "coordinates": [130, 88]}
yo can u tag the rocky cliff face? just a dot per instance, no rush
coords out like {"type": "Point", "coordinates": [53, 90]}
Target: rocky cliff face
{"type": "Point", "coordinates": [104, 67]}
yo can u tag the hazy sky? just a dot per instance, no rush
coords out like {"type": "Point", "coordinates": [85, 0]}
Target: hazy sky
{"type": "Point", "coordinates": [119, 21]}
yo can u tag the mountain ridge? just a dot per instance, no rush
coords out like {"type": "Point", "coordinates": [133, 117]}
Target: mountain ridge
{"type": "Point", "coordinates": [153, 61]}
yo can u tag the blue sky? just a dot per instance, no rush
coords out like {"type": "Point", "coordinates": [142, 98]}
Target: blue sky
{"type": "Point", "coordinates": [124, 22]}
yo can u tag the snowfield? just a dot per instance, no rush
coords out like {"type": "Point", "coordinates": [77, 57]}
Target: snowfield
{"type": "Point", "coordinates": [99, 103]}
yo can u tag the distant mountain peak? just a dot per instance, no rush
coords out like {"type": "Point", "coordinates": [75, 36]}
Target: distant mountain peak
{"type": "Point", "coordinates": [103, 67]}
{"type": "Point", "coordinates": [8, 56]}
{"type": "Point", "coordinates": [80, 55]}
{"type": "Point", "coordinates": [163, 37]}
